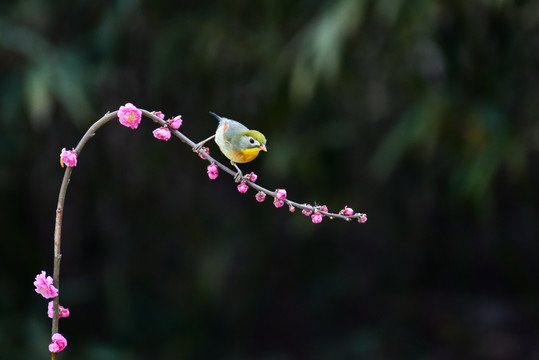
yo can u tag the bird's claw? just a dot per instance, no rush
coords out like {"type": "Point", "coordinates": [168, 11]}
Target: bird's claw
{"type": "Point", "coordinates": [197, 147]}
{"type": "Point", "coordinates": [238, 177]}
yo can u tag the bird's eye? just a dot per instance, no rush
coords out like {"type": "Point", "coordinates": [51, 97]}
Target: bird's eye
{"type": "Point", "coordinates": [252, 141]}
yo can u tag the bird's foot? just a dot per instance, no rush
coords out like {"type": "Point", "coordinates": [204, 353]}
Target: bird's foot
{"type": "Point", "coordinates": [199, 146]}
{"type": "Point", "coordinates": [238, 177]}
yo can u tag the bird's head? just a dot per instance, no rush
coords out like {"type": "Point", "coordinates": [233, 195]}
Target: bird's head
{"type": "Point", "coordinates": [252, 139]}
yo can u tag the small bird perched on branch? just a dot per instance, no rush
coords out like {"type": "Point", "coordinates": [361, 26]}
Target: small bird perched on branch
{"type": "Point", "coordinates": [238, 143]}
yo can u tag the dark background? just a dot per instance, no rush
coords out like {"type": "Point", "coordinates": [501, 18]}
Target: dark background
{"type": "Point", "coordinates": [422, 114]}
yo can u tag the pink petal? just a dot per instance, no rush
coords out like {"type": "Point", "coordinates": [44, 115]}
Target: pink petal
{"type": "Point", "coordinates": [58, 343]}
{"type": "Point", "coordinates": [316, 218]}
{"type": "Point", "coordinates": [280, 194]}
{"type": "Point", "coordinates": [176, 122]}
{"type": "Point", "coordinates": [260, 196]}
{"type": "Point", "coordinates": [44, 286]}
{"type": "Point", "coordinates": [68, 158]}
{"type": "Point", "coordinates": [129, 115]}
{"type": "Point", "coordinates": [162, 133]}
{"type": "Point", "coordinates": [242, 187]}
{"type": "Point", "coordinates": [213, 172]}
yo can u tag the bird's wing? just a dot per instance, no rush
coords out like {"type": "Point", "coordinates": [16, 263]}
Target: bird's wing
{"type": "Point", "coordinates": [231, 128]}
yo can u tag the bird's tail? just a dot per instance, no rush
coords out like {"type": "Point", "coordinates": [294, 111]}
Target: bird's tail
{"type": "Point", "coordinates": [216, 116]}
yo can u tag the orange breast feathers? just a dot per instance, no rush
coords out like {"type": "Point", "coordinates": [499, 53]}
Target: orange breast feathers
{"type": "Point", "coordinates": [245, 155]}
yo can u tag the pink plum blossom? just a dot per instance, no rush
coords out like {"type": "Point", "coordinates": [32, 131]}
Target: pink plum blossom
{"type": "Point", "coordinates": [44, 286]}
{"type": "Point", "coordinates": [129, 116]}
{"type": "Point", "coordinates": [347, 211]}
{"type": "Point", "coordinates": [242, 187]}
{"type": "Point", "coordinates": [159, 114]}
{"type": "Point", "coordinates": [62, 312]}
{"type": "Point", "coordinates": [280, 194]}
{"type": "Point", "coordinates": [260, 196]}
{"type": "Point", "coordinates": [251, 177]}
{"type": "Point", "coordinates": [68, 158]}
{"type": "Point", "coordinates": [316, 218]}
{"type": "Point", "coordinates": [362, 218]}
{"type": "Point", "coordinates": [175, 122]}
{"type": "Point", "coordinates": [307, 212]}
{"type": "Point", "coordinates": [291, 208]}
{"type": "Point", "coordinates": [207, 150]}
{"type": "Point", "coordinates": [162, 133]}
{"type": "Point", "coordinates": [213, 172]}
{"type": "Point", "coordinates": [278, 203]}
{"type": "Point", "coordinates": [58, 343]}
{"type": "Point", "coordinates": [323, 208]}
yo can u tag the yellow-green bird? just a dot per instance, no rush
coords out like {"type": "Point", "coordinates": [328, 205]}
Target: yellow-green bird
{"type": "Point", "coordinates": [238, 143]}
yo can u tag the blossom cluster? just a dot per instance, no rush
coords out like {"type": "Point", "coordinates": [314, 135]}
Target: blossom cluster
{"type": "Point", "coordinates": [45, 287]}
{"type": "Point", "coordinates": [130, 116]}
{"type": "Point", "coordinates": [317, 213]}
{"type": "Point", "coordinates": [163, 132]}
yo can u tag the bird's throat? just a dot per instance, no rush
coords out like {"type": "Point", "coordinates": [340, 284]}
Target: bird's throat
{"type": "Point", "coordinates": [246, 155]}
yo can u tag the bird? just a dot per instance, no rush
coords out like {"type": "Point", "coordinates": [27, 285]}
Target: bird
{"type": "Point", "coordinates": [238, 143]}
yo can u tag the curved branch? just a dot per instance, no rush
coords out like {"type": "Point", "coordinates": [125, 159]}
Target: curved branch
{"type": "Point", "coordinates": [67, 175]}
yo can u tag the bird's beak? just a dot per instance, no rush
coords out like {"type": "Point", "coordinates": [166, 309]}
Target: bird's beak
{"type": "Point", "coordinates": [263, 148]}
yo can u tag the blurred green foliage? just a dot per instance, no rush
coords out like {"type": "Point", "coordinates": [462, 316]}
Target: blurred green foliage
{"type": "Point", "coordinates": [423, 114]}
